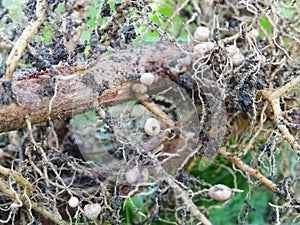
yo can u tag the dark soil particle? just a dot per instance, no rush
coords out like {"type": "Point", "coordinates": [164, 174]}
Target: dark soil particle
{"type": "Point", "coordinates": [105, 10]}
{"type": "Point", "coordinates": [4, 98]}
{"type": "Point", "coordinates": [173, 63]}
{"type": "Point", "coordinates": [86, 181]}
{"type": "Point", "coordinates": [7, 95]}
{"type": "Point", "coordinates": [89, 80]}
{"type": "Point", "coordinates": [80, 47]}
{"type": "Point", "coordinates": [60, 53]}
{"type": "Point", "coordinates": [29, 10]}
{"type": "Point", "coordinates": [2, 69]}
{"type": "Point", "coordinates": [45, 56]}
{"type": "Point", "coordinates": [245, 98]}
{"type": "Point", "coordinates": [94, 39]}
{"type": "Point", "coordinates": [116, 202]}
{"type": "Point", "coordinates": [182, 177]}
{"type": "Point", "coordinates": [186, 81]}
{"type": "Point", "coordinates": [46, 91]}
{"type": "Point", "coordinates": [260, 84]}
{"type": "Point", "coordinates": [129, 33]}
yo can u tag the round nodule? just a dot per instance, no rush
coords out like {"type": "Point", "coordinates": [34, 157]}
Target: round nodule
{"type": "Point", "coordinates": [253, 34]}
{"type": "Point", "coordinates": [237, 59]}
{"type": "Point", "coordinates": [152, 127]}
{"type": "Point", "coordinates": [200, 49]}
{"type": "Point", "coordinates": [132, 175]}
{"type": "Point", "coordinates": [232, 50]}
{"type": "Point", "coordinates": [73, 202]}
{"type": "Point", "coordinates": [201, 33]}
{"type": "Point", "coordinates": [147, 79]}
{"type": "Point", "coordinates": [220, 192]}
{"type": "Point", "coordinates": [92, 210]}
{"type": "Point", "coordinates": [137, 111]}
{"type": "Point", "coordinates": [139, 88]}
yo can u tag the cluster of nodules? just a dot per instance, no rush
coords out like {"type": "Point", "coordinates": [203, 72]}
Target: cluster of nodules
{"type": "Point", "coordinates": [205, 47]}
{"type": "Point", "coordinates": [152, 125]}
{"type": "Point", "coordinates": [93, 210]}
{"type": "Point", "coordinates": [146, 80]}
{"type": "Point", "coordinates": [152, 128]}
{"type": "Point", "coordinates": [217, 192]}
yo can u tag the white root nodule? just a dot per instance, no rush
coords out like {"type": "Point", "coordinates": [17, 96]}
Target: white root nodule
{"type": "Point", "coordinates": [220, 192]}
{"type": "Point", "coordinates": [152, 127]}
{"type": "Point", "coordinates": [73, 202]}
{"type": "Point", "coordinates": [147, 79]}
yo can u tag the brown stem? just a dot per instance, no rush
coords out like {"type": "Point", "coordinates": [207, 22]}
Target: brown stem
{"type": "Point", "coordinates": [76, 94]}
{"type": "Point", "coordinates": [244, 167]}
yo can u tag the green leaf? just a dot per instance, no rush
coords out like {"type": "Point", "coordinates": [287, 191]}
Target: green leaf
{"type": "Point", "coordinates": [265, 24]}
